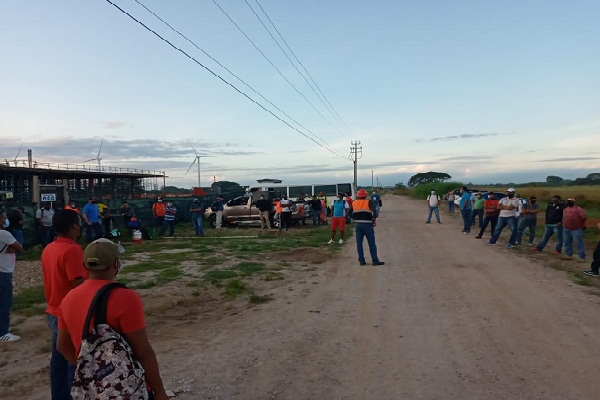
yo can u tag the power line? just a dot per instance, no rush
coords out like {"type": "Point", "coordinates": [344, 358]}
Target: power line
{"type": "Point", "coordinates": [231, 72]}
{"type": "Point", "coordinates": [222, 79]}
{"type": "Point", "coordinates": [336, 115]}
{"type": "Point", "coordinates": [273, 65]}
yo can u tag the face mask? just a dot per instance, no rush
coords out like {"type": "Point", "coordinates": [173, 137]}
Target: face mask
{"type": "Point", "coordinates": [94, 202]}
{"type": "Point", "coordinates": [511, 195]}
{"type": "Point", "coordinates": [533, 201]}
{"type": "Point", "coordinates": [6, 223]}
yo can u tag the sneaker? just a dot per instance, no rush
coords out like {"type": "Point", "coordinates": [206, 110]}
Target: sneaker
{"type": "Point", "coordinates": [478, 237]}
{"type": "Point", "coordinates": [427, 222]}
{"type": "Point", "coordinates": [439, 222]}
{"type": "Point", "coordinates": [535, 250]}
{"type": "Point", "coordinates": [341, 241]}
{"type": "Point", "coordinates": [362, 263]}
{"type": "Point", "coordinates": [565, 257]}
{"type": "Point", "coordinates": [556, 253]}
{"type": "Point", "coordinates": [330, 241]}
{"type": "Point", "coordinates": [517, 243]}
{"type": "Point", "coordinates": [467, 233]}
{"type": "Point", "coordinates": [378, 263]}
{"type": "Point", "coordinates": [591, 273]}
{"type": "Point", "coordinates": [529, 244]}
{"type": "Point", "coordinates": [510, 246]}
{"type": "Point", "coordinates": [491, 244]}
{"type": "Point", "coordinates": [9, 337]}
{"type": "Point", "coordinates": [580, 260]}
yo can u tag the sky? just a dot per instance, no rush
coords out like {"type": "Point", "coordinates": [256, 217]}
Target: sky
{"type": "Point", "coordinates": [487, 92]}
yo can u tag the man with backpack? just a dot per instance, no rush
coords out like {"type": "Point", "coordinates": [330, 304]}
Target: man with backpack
{"type": "Point", "coordinates": [433, 201]}
{"type": "Point", "coordinates": [124, 315]}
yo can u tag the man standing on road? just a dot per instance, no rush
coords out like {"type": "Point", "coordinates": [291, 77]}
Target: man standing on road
{"type": "Point", "coordinates": [465, 209]}
{"type": "Point", "coordinates": [91, 217]}
{"type": "Point", "coordinates": [553, 226]}
{"type": "Point", "coordinates": [528, 220]}
{"type": "Point", "coordinates": [286, 213]}
{"type": "Point", "coordinates": [340, 211]}
{"type": "Point", "coordinates": [218, 207]}
{"type": "Point", "coordinates": [376, 200]}
{"type": "Point", "coordinates": [478, 210]}
{"type": "Point", "coordinates": [8, 247]}
{"type": "Point", "coordinates": [573, 224]}
{"type": "Point", "coordinates": [363, 214]}
{"type": "Point", "coordinates": [490, 207]}
{"type": "Point", "coordinates": [450, 197]}
{"type": "Point", "coordinates": [508, 216]}
{"type": "Point", "coordinates": [62, 267]}
{"type": "Point", "coordinates": [433, 201]}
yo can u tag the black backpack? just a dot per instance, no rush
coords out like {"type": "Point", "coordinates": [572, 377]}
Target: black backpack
{"type": "Point", "coordinates": [213, 206]}
{"type": "Point", "coordinates": [106, 368]}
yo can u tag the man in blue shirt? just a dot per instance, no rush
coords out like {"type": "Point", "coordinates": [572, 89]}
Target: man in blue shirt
{"type": "Point", "coordinates": [91, 217]}
{"type": "Point", "coordinates": [376, 200]}
{"type": "Point", "coordinates": [340, 210]}
{"type": "Point", "coordinates": [465, 209]}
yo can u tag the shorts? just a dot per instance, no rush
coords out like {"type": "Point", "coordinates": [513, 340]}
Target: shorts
{"type": "Point", "coordinates": [338, 222]}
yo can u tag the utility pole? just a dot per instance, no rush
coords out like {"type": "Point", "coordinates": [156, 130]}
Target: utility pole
{"type": "Point", "coordinates": [371, 180]}
{"type": "Point", "coordinates": [355, 154]}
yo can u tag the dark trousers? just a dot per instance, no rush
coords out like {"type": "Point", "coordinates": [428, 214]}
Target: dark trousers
{"type": "Point", "coordinates": [47, 233]}
{"type": "Point", "coordinates": [170, 224]}
{"type": "Point", "coordinates": [365, 230]}
{"type": "Point", "coordinates": [93, 232]}
{"type": "Point", "coordinates": [487, 220]}
{"type": "Point", "coordinates": [61, 371]}
{"type": "Point", "coordinates": [6, 300]}
{"type": "Point", "coordinates": [596, 260]}
{"type": "Point", "coordinates": [286, 220]}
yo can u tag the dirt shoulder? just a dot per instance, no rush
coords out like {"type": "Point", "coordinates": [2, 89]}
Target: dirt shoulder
{"type": "Point", "coordinates": [446, 317]}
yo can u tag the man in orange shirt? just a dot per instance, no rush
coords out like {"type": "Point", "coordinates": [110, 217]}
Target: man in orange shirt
{"type": "Point", "coordinates": [124, 312]}
{"type": "Point", "coordinates": [62, 265]}
{"type": "Point", "coordinates": [158, 211]}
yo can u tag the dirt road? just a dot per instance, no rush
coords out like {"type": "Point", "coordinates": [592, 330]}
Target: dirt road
{"type": "Point", "coordinates": [446, 317]}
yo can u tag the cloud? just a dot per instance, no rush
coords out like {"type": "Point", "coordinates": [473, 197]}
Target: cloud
{"type": "Point", "coordinates": [114, 124]}
{"type": "Point", "coordinates": [459, 137]}
{"type": "Point", "coordinates": [569, 159]}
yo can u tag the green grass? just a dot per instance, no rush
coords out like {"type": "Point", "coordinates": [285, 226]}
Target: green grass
{"type": "Point", "coordinates": [249, 268]}
{"type": "Point", "coordinates": [30, 301]}
{"type": "Point", "coordinates": [234, 287]}
{"type": "Point", "coordinates": [168, 275]}
{"type": "Point", "coordinates": [216, 276]}
{"type": "Point", "coordinates": [256, 299]}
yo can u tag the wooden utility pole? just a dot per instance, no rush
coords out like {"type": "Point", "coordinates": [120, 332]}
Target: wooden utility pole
{"type": "Point", "coordinates": [356, 153]}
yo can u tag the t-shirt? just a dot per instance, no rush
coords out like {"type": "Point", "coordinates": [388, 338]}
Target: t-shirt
{"type": "Point", "coordinates": [339, 208]}
{"type": "Point", "coordinates": [286, 205]}
{"type": "Point", "coordinates": [478, 203]}
{"type": "Point", "coordinates": [124, 310]}
{"type": "Point", "coordinates": [45, 216]}
{"type": "Point", "coordinates": [91, 212]}
{"type": "Point", "coordinates": [7, 260]}
{"type": "Point", "coordinates": [529, 206]}
{"type": "Point", "coordinates": [465, 201]}
{"type": "Point", "coordinates": [170, 213]}
{"type": "Point", "coordinates": [433, 199]}
{"type": "Point", "coordinates": [62, 263]}
{"type": "Point", "coordinates": [158, 209]}
{"type": "Point", "coordinates": [14, 218]}
{"type": "Point", "coordinates": [506, 201]}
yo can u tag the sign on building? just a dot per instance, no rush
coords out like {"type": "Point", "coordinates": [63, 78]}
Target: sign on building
{"type": "Point", "coordinates": [48, 197]}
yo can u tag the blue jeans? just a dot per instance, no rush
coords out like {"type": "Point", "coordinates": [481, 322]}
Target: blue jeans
{"type": "Point", "coordinates": [451, 206]}
{"type": "Point", "coordinates": [437, 213]}
{"type": "Point", "coordinates": [526, 223]}
{"type": "Point", "coordinates": [6, 300]}
{"type": "Point", "coordinates": [61, 371]}
{"type": "Point", "coordinates": [47, 233]}
{"type": "Point", "coordinates": [478, 213]}
{"type": "Point", "coordinates": [466, 216]}
{"type": "Point", "coordinates": [18, 234]}
{"type": "Point", "coordinates": [502, 222]}
{"type": "Point", "coordinates": [550, 230]}
{"type": "Point", "coordinates": [93, 232]}
{"type": "Point", "coordinates": [365, 230]}
{"type": "Point", "coordinates": [573, 235]}
{"type": "Point", "coordinates": [170, 224]}
{"type": "Point", "coordinates": [197, 221]}
{"type": "Point", "coordinates": [316, 216]}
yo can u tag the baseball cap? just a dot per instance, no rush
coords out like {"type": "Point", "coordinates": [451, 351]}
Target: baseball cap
{"type": "Point", "coordinates": [100, 254]}
{"type": "Point", "coordinates": [195, 199]}
{"type": "Point", "coordinates": [511, 190]}
{"type": "Point", "coordinates": [570, 199]}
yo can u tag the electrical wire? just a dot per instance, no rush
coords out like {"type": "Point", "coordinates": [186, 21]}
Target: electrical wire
{"type": "Point", "coordinates": [222, 79]}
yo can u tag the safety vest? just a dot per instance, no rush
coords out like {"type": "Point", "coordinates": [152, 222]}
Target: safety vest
{"type": "Point", "coordinates": [278, 208]}
{"type": "Point", "coordinates": [361, 211]}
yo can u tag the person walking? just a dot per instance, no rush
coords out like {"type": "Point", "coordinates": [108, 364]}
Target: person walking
{"type": "Point", "coordinates": [490, 208]}
{"type": "Point", "coordinates": [508, 216]}
{"type": "Point", "coordinates": [465, 209]}
{"type": "Point", "coordinates": [595, 271]}
{"type": "Point", "coordinates": [43, 218]}
{"type": "Point", "coordinates": [264, 211]}
{"type": "Point", "coordinates": [340, 209]}
{"type": "Point", "coordinates": [528, 220]}
{"type": "Point", "coordinates": [197, 212]}
{"type": "Point", "coordinates": [9, 246]}
{"type": "Point", "coordinates": [552, 226]}
{"type": "Point", "coordinates": [363, 214]}
{"type": "Point", "coordinates": [62, 270]}
{"type": "Point", "coordinates": [91, 217]}
{"type": "Point", "coordinates": [124, 314]}
{"type": "Point", "coordinates": [169, 219]}
{"type": "Point", "coordinates": [433, 201]}
{"type": "Point", "coordinates": [573, 224]}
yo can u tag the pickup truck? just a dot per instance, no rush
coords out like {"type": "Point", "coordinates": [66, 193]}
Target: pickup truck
{"type": "Point", "coordinates": [242, 211]}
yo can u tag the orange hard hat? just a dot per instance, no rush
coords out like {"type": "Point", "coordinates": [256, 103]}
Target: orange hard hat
{"type": "Point", "coordinates": [362, 193]}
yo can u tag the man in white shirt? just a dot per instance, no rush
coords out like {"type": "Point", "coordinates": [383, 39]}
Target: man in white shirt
{"type": "Point", "coordinates": [8, 247]}
{"type": "Point", "coordinates": [286, 213]}
{"type": "Point", "coordinates": [43, 217]}
{"type": "Point", "coordinates": [433, 201]}
{"type": "Point", "coordinates": [508, 216]}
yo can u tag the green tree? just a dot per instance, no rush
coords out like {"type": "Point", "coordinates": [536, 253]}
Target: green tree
{"type": "Point", "coordinates": [555, 180]}
{"type": "Point", "coordinates": [427, 177]}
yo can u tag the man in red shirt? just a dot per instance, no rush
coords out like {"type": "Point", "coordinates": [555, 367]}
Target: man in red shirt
{"type": "Point", "coordinates": [124, 312]}
{"type": "Point", "coordinates": [490, 207]}
{"type": "Point", "coordinates": [573, 224]}
{"type": "Point", "coordinates": [62, 265]}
